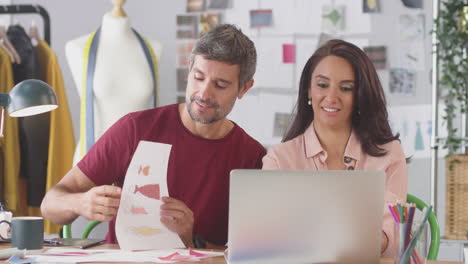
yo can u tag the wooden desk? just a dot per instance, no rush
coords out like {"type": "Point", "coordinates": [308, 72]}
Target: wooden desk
{"type": "Point", "coordinates": [215, 260]}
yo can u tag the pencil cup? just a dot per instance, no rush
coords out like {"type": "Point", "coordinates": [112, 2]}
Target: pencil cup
{"type": "Point", "coordinates": [411, 247]}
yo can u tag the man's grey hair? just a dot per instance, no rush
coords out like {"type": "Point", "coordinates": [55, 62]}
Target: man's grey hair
{"type": "Point", "coordinates": [227, 43]}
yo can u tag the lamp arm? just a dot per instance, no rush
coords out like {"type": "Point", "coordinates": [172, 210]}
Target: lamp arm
{"type": "Point", "coordinates": [4, 100]}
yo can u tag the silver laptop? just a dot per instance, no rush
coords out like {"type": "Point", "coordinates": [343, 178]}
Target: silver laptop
{"type": "Point", "coordinates": [305, 216]}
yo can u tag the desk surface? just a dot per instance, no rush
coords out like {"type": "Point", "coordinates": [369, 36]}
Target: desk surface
{"type": "Point", "coordinates": [217, 260]}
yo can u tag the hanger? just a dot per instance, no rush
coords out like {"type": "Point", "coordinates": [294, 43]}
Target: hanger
{"type": "Point", "coordinates": [9, 46]}
{"type": "Point", "coordinates": [117, 11]}
{"type": "Point", "coordinates": [10, 55]}
{"type": "Point", "coordinates": [34, 33]}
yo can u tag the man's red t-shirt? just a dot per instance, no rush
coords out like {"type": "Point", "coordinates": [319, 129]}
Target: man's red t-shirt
{"type": "Point", "coordinates": [198, 169]}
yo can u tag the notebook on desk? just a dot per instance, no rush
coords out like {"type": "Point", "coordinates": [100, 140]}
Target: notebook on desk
{"type": "Point", "coordinates": [305, 216]}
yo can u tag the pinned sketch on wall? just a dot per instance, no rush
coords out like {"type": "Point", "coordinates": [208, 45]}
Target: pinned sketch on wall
{"type": "Point", "coordinates": [195, 5]}
{"type": "Point", "coordinates": [137, 225]}
{"type": "Point", "coordinates": [411, 27]}
{"type": "Point", "coordinates": [289, 53]}
{"type": "Point", "coordinates": [415, 129]}
{"type": "Point", "coordinates": [218, 4]}
{"type": "Point", "coordinates": [184, 50]}
{"type": "Point", "coordinates": [182, 74]}
{"type": "Point", "coordinates": [411, 49]}
{"type": "Point", "coordinates": [333, 18]}
{"type": "Point", "coordinates": [281, 124]}
{"type": "Point", "coordinates": [377, 55]}
{"type": "Point", "coordinates": [411, 55]}
{"type": "Point", "coordinates": [208, 21]}
{"type": "Point", "coordinates": [370, 6]}
{"type": "Point", "coordinates": [402, 81]}
{"type": "Point", "coordinates": [261, 18]}
{"type": "Point", "coordinates": [186, 26]}
{"type": "Point", "coordinates": [412, 3]}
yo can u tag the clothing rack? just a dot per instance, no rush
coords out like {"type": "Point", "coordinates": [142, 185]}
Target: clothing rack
{"type": "Point", "coordinates": [30, 9]}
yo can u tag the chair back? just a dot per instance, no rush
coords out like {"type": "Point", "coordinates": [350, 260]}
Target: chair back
{"type": "Point", "coordinates": [66, 231]}
{"type": "Point", "coordinates": [433, 224]}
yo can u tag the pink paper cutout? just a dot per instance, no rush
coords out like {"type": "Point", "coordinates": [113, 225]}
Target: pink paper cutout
{"type": "Point", "coordinates": [289, 53]}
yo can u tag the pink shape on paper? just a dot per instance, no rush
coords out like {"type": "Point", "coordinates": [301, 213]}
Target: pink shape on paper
{"type": "Point", "coordinates": [138, 210]}
{"type": "Point", "coordinates": [196, 254]}
{"type": "Point", "coordinates": [150, 190]}
{"type": "Point", "coordinates": [176, 257]}
{"type": "Point", "coordinates": [289, 53]}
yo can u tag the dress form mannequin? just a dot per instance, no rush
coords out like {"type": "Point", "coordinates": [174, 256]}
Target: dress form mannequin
{"type": "Point", "coordinates": [123, 80]}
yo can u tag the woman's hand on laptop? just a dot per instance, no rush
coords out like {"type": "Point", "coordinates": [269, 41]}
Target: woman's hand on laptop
{"type": "Point", "coordinates": [177, 217]}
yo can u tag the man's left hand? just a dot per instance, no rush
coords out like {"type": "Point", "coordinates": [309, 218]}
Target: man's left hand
{"type": "Point", "coordinates": [177, 217]}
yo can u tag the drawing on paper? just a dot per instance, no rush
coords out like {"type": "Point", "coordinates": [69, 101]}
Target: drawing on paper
{"type": "Point", "coordinates": [378, 56]}
{"type": "Point", "coordinates": [333, 18]}
{"type": "Point", "coordinates": [150, 191]}
{"type": "Point", "coordinates": [144, 170]}
{"type": "Point", "coordinates": [261, 18]}
{"type": "Point", "coordinates": [218, 4]}
{"type": "Point", "coordinates": [370, 6]}
{"type": "Point", "coordinates": [145, 230]}
{"type": "Point", "coordinates": [195, 5]}
{"type": "Point", "coordinates": [138, 210]}
{"type": "Point", "coordinates": [186, 26]}
{"type": "Point", "coordinates": [402, 81]}
{"type": "Point", "coordinates": [281, 124]}
{"type": "Point", "coordinates": [208, 22]}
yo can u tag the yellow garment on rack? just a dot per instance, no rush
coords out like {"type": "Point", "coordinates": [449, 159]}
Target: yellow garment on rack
{"type": "Point", "coordinates": [9, 144]}
{"type": "Point", "coordinates": [61, 138]}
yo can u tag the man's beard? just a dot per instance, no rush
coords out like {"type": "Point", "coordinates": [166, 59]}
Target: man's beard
{"type": "Point", "coordinates": [218, 111]}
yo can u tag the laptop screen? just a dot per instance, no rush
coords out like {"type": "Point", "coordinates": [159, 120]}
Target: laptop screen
{"type": "Point", "coordinates": [305, 216]}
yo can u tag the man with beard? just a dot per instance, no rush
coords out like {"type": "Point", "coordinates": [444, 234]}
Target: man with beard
{"type": "Point", "coordinates": [206, 146]}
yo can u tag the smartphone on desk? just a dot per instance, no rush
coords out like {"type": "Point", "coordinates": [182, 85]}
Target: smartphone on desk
{"type": "Point", "coordinates": [72, 242]}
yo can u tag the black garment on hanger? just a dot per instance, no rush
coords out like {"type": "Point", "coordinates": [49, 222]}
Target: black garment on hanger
{"type": "Point", "coordinates": [33, 130]}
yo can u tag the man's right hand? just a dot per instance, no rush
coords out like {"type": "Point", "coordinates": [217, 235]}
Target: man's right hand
{"type": "Point", "coordinates": [100, 203]}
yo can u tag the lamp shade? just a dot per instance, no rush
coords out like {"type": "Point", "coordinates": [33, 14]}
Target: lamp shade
{"type": "Point", "coordinates": [31, 97]}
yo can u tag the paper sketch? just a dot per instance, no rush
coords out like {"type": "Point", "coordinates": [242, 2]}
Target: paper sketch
{"type": "Point", "coordinates": [411, 55]}
{"type": "Point", "coordinates": [184, 49]}
{"type": "Point", "coordinates": [218, 4]}
{"type": "Point", "coordinates": [137, 226]}
{"type": "Point", "coordinates": [378, 56]}
{"type": "Point", "coordinates": [208, 21]}
{"type": "Point", "coordinates": [411, 27]}
{"type": "Point", "coordinates": [415, 129]}
{"type": "Point", "coordinates": [370, 6]}
{"type": "Point", "coordinates": [261, 18]}
{"type": "Point", "coordinates": [195, 5]}
{"type": "Point", "coordinates": [281, 124]}
{"type": "Point", "coordinates": [333, 18]}
{"type": "Point", "coordinates": [402, 81]}
{"type": "Point", "coordinates": [186, 26]}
